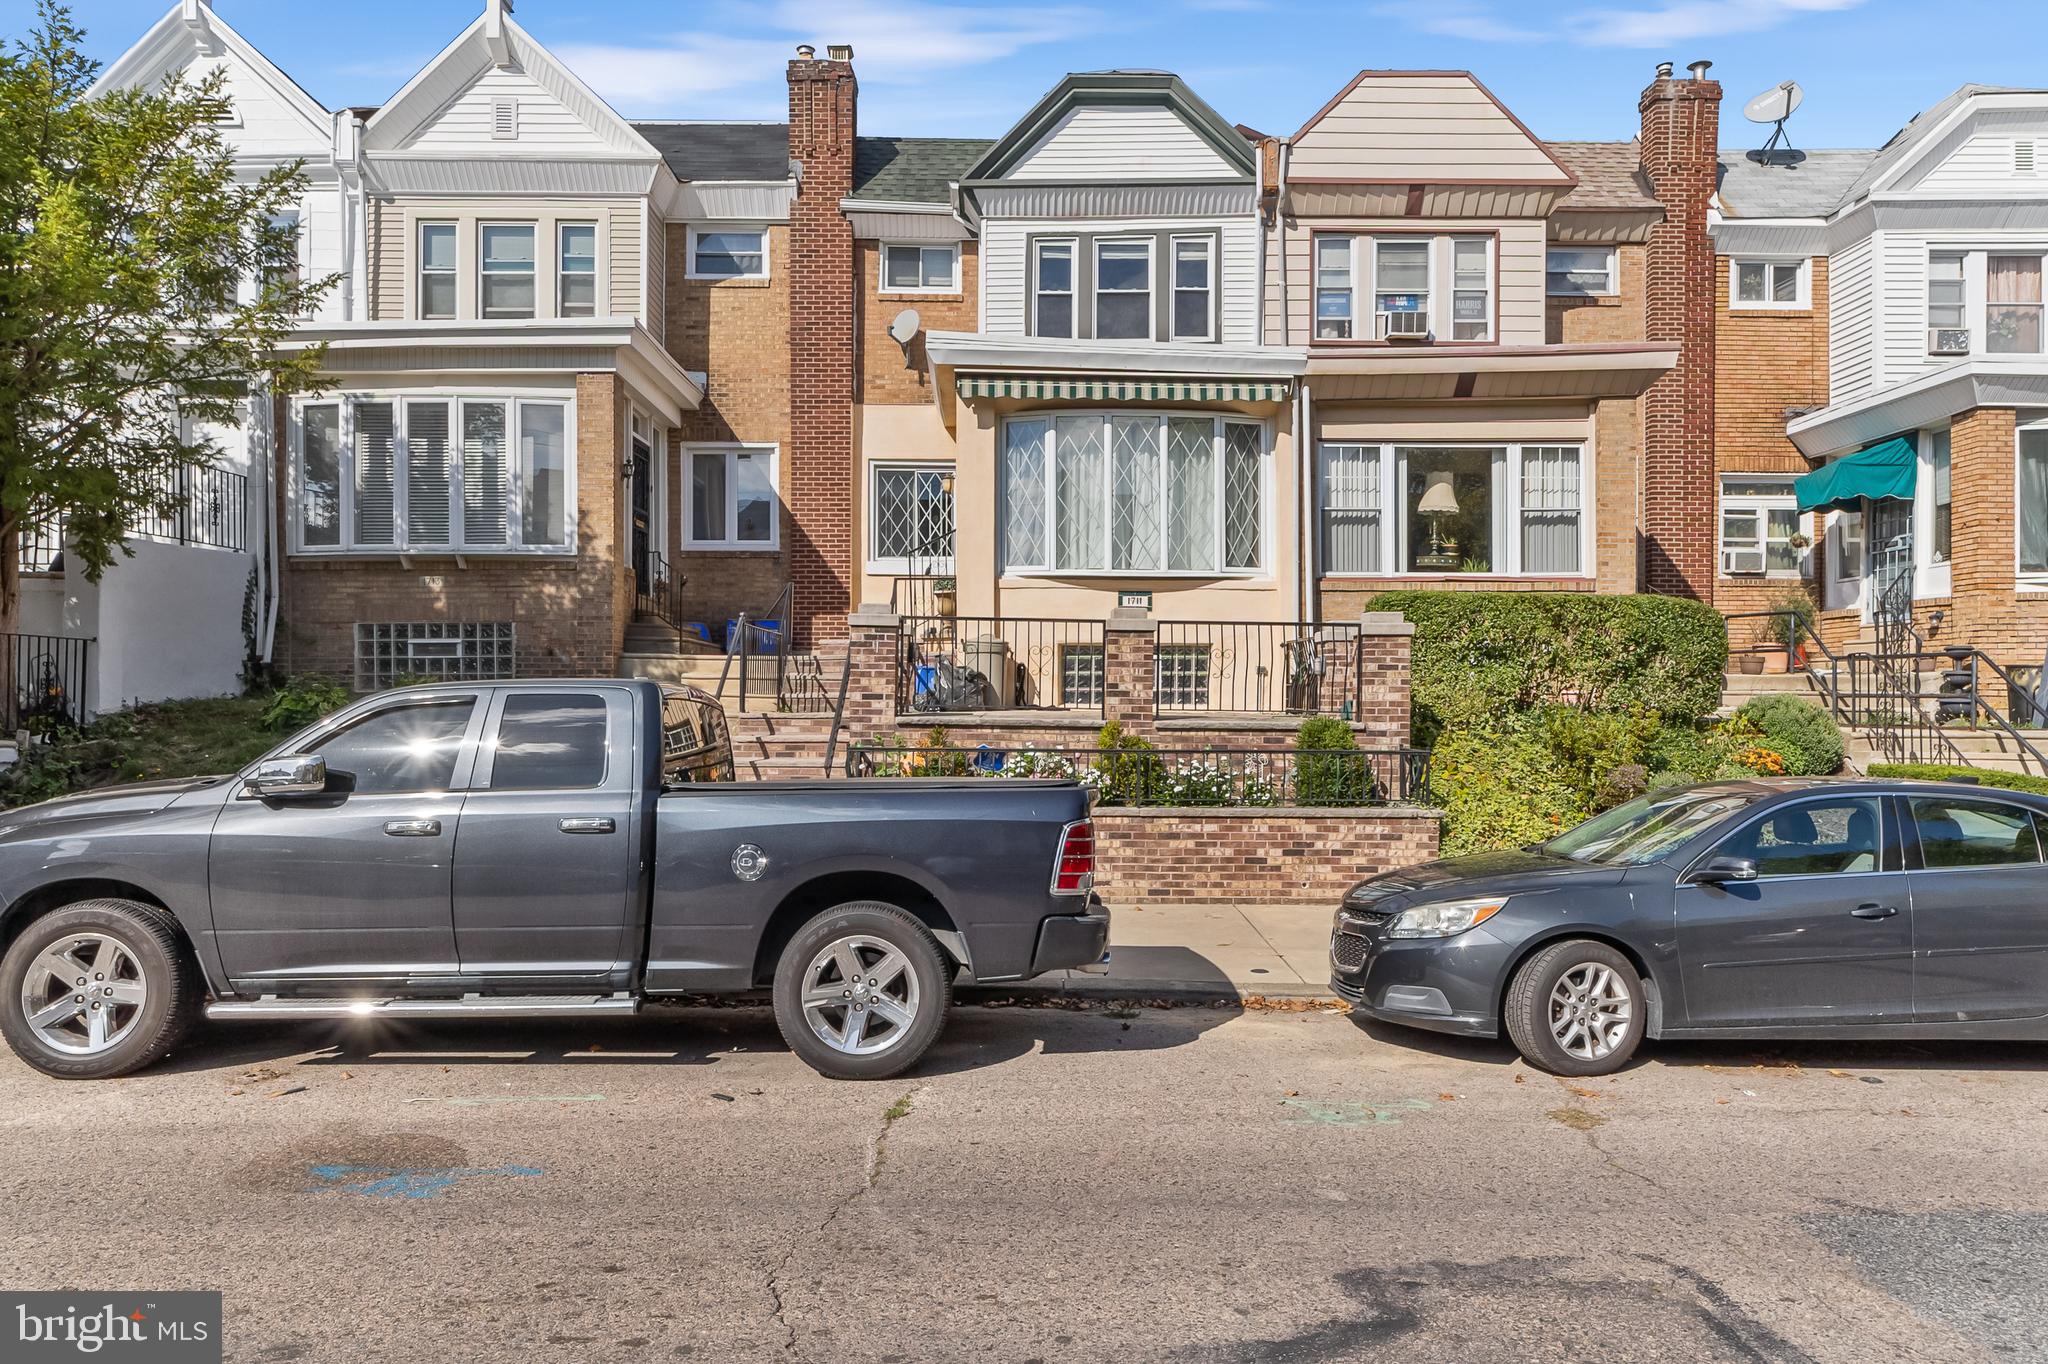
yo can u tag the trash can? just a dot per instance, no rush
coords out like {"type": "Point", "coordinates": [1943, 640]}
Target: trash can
{"type": "Point", "coordinates": [990, 657]}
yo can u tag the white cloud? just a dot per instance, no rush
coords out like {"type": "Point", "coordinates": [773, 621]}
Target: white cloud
{"type": "Point", "coordinates": [1459, 19]}
{"type": "Point", "coordinates": [1682, 20]}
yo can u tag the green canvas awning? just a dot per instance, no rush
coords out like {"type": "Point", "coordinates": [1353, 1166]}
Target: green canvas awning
{"type": "Point", "coordinates": [1123, 390]}
{"type": "Point", "coordinates": [1885, 469]}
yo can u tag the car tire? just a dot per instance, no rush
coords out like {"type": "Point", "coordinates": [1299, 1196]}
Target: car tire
{"type": "Point", "coordinates": [1577, 1008]}
{"type": "Point", "coordinates": [129, 953]}
{"type": "Point", "coordinates": [910, 993]}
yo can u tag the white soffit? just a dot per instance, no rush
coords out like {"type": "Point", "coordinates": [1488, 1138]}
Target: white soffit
{"type": "Point", "coordinates": [906, 227]}
{"type": "Point", "coordinates": [745, 201]}
{"type": "Point", "coordinates": [1115, 201]}
{"type": "Point", "coordinates": [464, 175]}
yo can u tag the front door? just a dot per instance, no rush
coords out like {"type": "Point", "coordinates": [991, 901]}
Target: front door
{"type": "Point", "coordinates": [547, 871]}
{"type": "Point", "coordinates": [1980, 909]}
{"type": "Point", "coordinates": [353, 885]}
{"type": "Point", "coordinates": [1823, 935]}
{"type": "Point", "coordinates": [642, 473]}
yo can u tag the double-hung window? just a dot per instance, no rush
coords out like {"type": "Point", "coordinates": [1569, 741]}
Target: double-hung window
{"type": "Point", "coordinates": [1194, 288]}
{"type": "Point", "coordinates": [728, 253]}
{"type": "Point", "coordinates": [1353, 523]}
{"type": "Point", "coordinates": [2012, 305]}
{"type": "Point", "coordinates": [1471, 289]}
{"type": "Point", "coordinates": [1437, 510]}
{"type": "Point", "coordinates": [1759, 518]}
{"type": "Point", "coordinates": [915, 269]}
{"type": "Point", "coordinates": [433, 474]}
{"type": "Point", "coordinates": [1334, 274]}
{"type": "Point", "coordinates": [1948, 316]}
{"type": "Point", "coordinates": [1400, 285]}
{"type": "Point", "coordinates": [1768, 283]}
{"type": "Point", "coordinates": [1130, 492]}
{"type": "Point", "coordinates": [2033, 504]}
{"type": "Point", "coordinates": [1941, 512]}
{"type": "Point", "coordinates": [437, 270]}
{"type": "Point", "coordinates": [1579, 272]}
{"type": "Point", "coordinates": [1123, 289]}
{"type": "Point", "coordinates": [506, 286]}
{"type": "Point", "coordinates": [1052, 288]}
{"type": "Point", "coordinates": [576, 270]}
{"type": "Point", "coordinates": [733, 498]}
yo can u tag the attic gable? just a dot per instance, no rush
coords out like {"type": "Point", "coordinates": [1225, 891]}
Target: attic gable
{"type": "Point", "coordinates": [1420, 127]}
{"type": "Point", "coordinates": [1118, 126]}
{"type": "Point", "coordinates": [2001, 151]}
{"type": "Point", "coordinates": [271, 114]}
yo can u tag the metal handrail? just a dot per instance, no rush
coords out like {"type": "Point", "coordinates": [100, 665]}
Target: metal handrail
{"type": "Point", "coordinates": [743, 633]}
{"type": "Point", "coordinates": [1974, 656]}
{"type": "Point", "coordinates": [1803, 634]}
{"type": "Point", "coordinates": [838, 712]}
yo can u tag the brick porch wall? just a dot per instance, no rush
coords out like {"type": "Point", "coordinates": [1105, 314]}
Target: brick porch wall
{"type": "Point", "coordinates": [1189, 855]}
{"type": "Point", "coordinates": [1986, 607]}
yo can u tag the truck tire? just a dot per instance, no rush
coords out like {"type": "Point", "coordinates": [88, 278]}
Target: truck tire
{"type": "Point", "coordinates": [862, 991]}
{"type": "Point", "coordinates": [98, 989]}
{"type": "Point", "coordinates": [1576, 1008]}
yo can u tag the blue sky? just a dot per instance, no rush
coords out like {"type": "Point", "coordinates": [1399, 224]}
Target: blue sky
{"type": "Point", "coordinates": [1568, 68]}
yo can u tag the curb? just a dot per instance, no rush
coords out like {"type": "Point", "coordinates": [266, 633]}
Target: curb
{"type": "Point", "coordinates": [1179, 992]}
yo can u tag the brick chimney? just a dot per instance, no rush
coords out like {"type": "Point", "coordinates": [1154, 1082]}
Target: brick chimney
{"type": "Point", "coordinates": [1681, 127]}
{"type": "Point", "coordinates": [823, 96]}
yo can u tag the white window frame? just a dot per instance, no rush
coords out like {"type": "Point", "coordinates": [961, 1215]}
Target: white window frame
{"type": "Point", "coordinates": [1611, 288]}
{"type": "Point", "coordinates": [420, 271]}
{"type": "Point", "coordinates": [1491, 291]}
{"type": "Point", "coordinates": [1369, 495]}
{"type": "Point", "coordinates": [1072, 292]}
{"type": "Point", "coordinates": [1264, 568]}
{"type": "Point", "coordinates": [1349, 289]}
{"type": "Point", "coordinates": [1429, 288]}
{"type": "Point", "coordinates": [1968, 324]}
{"type": "Point", "coordinates": [1983, 346]}
{"type": "Point", "coordinates": [1208, 242]}
{"type": "Point", "coordinates": [515, 401]}
{"type": "Point", "coordinates": [952, 250]}
{"type": "Point", "coordinates": [698, 229]}
{"type": "Point", "coordinates": [2034, 582]}
{"type": "Point", "coordinates": [731, 450]}
{"type": "Point", "coordinates": [483, 269]}
{"type": "Point", "coordinates": [884, 563]}
{"type": "Point", "coordinates": [1758, 507]}
{"type": "Point", "coordinates": [595, 273]}
{"type": "Point", "coordinates": [1771, 264]}
{"type": "Point", "coordinates": [1096, 291]}
{"type": "Point", "coordinates": [1391, 461]}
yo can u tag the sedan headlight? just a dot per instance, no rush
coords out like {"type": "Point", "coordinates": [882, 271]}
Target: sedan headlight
{"type": "Point", "coordinates": [1444, 919]}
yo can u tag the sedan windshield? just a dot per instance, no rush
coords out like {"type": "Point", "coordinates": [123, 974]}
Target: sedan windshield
{"type": "Point", "coordinates": [1646, 828]}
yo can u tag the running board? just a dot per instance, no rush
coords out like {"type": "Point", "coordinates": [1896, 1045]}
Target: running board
{"type": "Point", "coordinates": [468, 1006]}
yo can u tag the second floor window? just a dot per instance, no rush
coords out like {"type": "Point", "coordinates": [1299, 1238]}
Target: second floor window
{"type": "Point", "coordinates": [1333, 288]}
{"type": "Point", "coordinates": [1769, 284]}
{"type": "Point", "coordinates": [1194, 288]}
{"type": "Point", "coordinates": [2012, 305]}
{"type": "Point", "coordinates": [1052, 269]}
{"type": "Point", "coordinates": [729, 253]}
{"type": "Point", "coordinates": [506, 286]}
{"type": "Point", "coordinates": [1123, 290]}
{"type": "Point", "coordinates": [1471, 290]}
{"type": "Point", "coordinates": [1401, 286]}
{"type": "Point", "coordinates": [1579, 272]}
{"type": "Point", "coordinates": [437, 270]}
{"type": "Point", "coordinates": [1948, 315]}
{"type": "Point", "coordinates": [919, 270]}
{"type": "Point", "coordinates": [576, 273]}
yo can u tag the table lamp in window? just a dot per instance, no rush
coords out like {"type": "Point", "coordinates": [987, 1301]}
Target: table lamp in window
{"type": "Point", "coordinates": [1439, 500]}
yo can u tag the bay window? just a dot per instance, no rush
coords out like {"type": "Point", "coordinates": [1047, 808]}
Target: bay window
{"type": "Point", "coordinates": [1947, 303]}
{"type": "Point", "coordinates": [1438, 509]}
{"type": "Point", "coordinates": [1759, 517]}
{"type": "Point", "coordinates": [1123, 289]}
{"type": "Point", "coordinates": [2033, 504]}
{"type": "Point", "coordinates": [506, 287]}
{"type": "Point", "coordinates": [2012, 305]}
{"type": "Point", "coordinates": [733, 498]}
{"type": "Point", "coordinates": [1133, 493]}
{"type": "Point", "coordinates": [433, 474]}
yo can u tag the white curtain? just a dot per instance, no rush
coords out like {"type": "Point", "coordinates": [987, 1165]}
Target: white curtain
{"type": "Point", "coordinates": [1190, 493]}
{"type": "Point", "coordinates": [1550, 509]}
{"type": "Point", "coordinates": [2033, 516]}
{"type": "Point", "coordinates": [1135, 493]}
{"type": "Point", "coordinates": [1024, 456]}
{"type": "Point", "coordinates": [1079, 490]}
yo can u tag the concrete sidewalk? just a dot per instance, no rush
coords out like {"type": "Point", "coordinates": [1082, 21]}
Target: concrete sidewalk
{"type": "Point", "coordinates": [1219, 951]}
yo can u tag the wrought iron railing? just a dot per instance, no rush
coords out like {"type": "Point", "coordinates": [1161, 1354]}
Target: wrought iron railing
{"type": "Point", "coordinates": [654, 591]}
{"type": "Point", "coordinates": [1256, 668]}
{"type": "Point", "coordinates": [759, 647]}
{"type": "Point", "coordinates": [210, 508]}
{"type": "Point", "coordinates": [981, 663]}
{"type": "Point", "coordinates": [1175, 776]}
{"type": "Point", "coordinates": [923, 595]}
{"type": "Point", "coordinates": [43, 681]}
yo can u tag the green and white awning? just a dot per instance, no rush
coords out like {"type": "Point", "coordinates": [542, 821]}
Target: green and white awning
{"type": "Point", "coordinates": [1071, 388]}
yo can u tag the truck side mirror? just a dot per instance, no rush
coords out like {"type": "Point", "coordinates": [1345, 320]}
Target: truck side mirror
{"type": "Point", "coordinates": [294, 774]}
{"type": "Point", "coordinates": [1720, 870]}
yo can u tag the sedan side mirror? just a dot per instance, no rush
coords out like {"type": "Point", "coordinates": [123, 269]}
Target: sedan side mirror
{"type": "Point", "coordinates": [294, 774]}
{"type": "Point", "coordinates": [1720, 870]}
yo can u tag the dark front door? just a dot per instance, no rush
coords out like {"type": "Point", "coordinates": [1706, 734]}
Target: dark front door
{"type": "Point", "coordinates": [353, 885]}
{"type": "Point", "coordinates": [1980, 909]}
{"type": "Point", "coordinates": [643, 515]}
{"type": "Point", "coordinates": [1823, 935]}
{"type": "Point", "coordinates": [547, 871]}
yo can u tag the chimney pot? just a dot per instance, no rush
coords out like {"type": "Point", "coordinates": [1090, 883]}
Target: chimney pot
{"type": "Point", "coordinates": [840, 52]}
{"type": "Point", "coordinates": [1698, 69]}
{"type": "Point", "coordinates": [1663, 71]}
{"type": "Point", "coordinates": [804, 52]}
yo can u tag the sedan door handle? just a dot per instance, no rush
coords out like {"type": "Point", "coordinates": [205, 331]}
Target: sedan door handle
{"type": "Point", "coordinates": [603, 825]}
{"type": "Point", "coordinates": [413, 828]}
{"type": "Point", "coordinates": [1874, 911]}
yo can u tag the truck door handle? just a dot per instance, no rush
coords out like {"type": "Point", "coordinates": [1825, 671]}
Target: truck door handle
{"type": "Point", "coordinates": [600, 825]}
{"type": "Point", "coordinates": [413, 828]}
{"type": "Point", "coordinates": [1874, 910]}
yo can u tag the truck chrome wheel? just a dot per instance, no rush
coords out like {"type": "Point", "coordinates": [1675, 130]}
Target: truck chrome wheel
{"type": "Point", "coordinates": [860, 995]}
{"type": "Point", "coordinates": [1590, 1009]}
{"type": "Point", "coordinates": [84, 994]}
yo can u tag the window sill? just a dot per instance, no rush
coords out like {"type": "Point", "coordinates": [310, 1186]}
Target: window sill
{"type": "Point", "coordinates": [1038, 577]}
{"type": "Point", "coordinates": [735, 281]}
{"type": "Point", "coordinates": [729, 547]}
{"type": "Point", "coordinates": [1781, 308]}
{"type": "Point", "coordinates": [557, 552]}
{"type": "Point", "coordinates": [1341, 578]}
{"type": "Point", "coordinates": [1777, 576]}
{"type": "Point", "coordinates": [942, 294]}
{"type": "Point", "coordinates": [1607, 299]}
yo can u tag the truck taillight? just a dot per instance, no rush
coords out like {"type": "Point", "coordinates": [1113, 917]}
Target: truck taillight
{"type": "Point", "coordinates": [1074, 868]}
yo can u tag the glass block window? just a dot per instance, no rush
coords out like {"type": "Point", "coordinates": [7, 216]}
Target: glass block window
{"type": "Point", "coordinates": [432, 651]}
{"type": "Point", "coordinates": [1183, 676]}
{"type": "Point", "coordinates": [1081, 675]}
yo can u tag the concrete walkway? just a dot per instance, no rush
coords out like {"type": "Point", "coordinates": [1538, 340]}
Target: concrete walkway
{"type": "Point", "coordinates": [1207, 951]}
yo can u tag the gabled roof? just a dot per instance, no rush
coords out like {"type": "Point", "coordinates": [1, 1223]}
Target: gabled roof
{"type": "Point", "coordinates": [1807, 184]}
{"type": "Point", "coordinates": [1610, 176]}
{"type": "Point", "coordinates": [1160, 88]}
{"type": "Point", "coordinates": [1915, 134]}
{"type": "Point", "coordinates": [184, 33]}
{"type": "Point", "coordinates": [913, 170]}
{"type": "Point", "coordinates": [721, 151]}
{"type": "Point", "coordinates": [1429, 127]}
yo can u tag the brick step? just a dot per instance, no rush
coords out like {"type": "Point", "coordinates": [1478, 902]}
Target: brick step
{"type": "Point", "coordinates": [696, 672]}
{"type": "Point", "coordinates": [779, 723]}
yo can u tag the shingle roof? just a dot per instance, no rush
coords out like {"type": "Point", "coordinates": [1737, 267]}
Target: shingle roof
{"type": "Point", "coordinates": [721, 151]}
{"type": "Point", "coordinates": [1610, 175]}
{"type": "Point", "coordinates": [1799, 184]}
{"type": "Point", "coordinates": [912, 170]}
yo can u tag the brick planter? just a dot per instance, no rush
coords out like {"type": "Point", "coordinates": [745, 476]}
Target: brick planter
{"type": "Point", "coordinates": [1254, 853]}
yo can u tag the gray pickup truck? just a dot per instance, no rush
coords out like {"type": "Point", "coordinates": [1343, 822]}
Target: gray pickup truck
{"type": "Point", "coordinates": [532, 849]}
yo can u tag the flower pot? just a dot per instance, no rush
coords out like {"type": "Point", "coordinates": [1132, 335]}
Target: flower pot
{"type": "Point", "coordinates": [1751, 664]}
{"type": "Point", "coordinates": [945, 600]}
{"type": "Point", "coordinates": [1773, 661]}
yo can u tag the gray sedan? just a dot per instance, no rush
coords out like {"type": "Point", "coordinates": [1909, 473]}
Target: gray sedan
{"type": "Point", "coordinates": [1757, 909]}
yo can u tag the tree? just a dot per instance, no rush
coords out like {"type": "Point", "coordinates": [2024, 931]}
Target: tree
{"type": "Point", "coordinates": [145, 286]}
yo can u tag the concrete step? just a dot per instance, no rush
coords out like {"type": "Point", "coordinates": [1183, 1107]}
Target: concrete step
{"type": "Point", "coordinates": [688, 670]}
{"type": "Point", "coordinates": [782, 769]}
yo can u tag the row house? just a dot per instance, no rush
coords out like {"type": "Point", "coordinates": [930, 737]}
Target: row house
{"type": "Point", "coordinates": [1882, 380]}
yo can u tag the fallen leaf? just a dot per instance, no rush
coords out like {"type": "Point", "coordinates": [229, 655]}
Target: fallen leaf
{"type": "Point", "coordinates": [346, 1076]}
{"type": "Point", "coordinates": [1720, 1101]}
{"type": "Point", "coordinates": [234, 1094]}
{"type": "Point", "coordinates": [1840, 1074]}
{"type": "Point", "coordinates": [1446, 1098]}
{"type": "Point", "coordinates": [1293, 1093]}
{"type": "Point", "coordinates": [1519, 1079]}
{"type": "Point", "coordinates": [288, 1089]}
{"type": "Point", "coordinates": [1584, 1093]}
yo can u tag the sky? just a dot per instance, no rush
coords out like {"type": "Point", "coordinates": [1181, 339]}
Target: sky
{"type": "Point", "coordinates": [1570, 69]}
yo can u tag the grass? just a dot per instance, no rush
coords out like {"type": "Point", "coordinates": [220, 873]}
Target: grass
{"type": "Point", "coordinates": [166, 739]}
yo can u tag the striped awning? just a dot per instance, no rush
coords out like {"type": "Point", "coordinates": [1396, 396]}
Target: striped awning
{"type": "Point", "coordinates": [1122, 390]}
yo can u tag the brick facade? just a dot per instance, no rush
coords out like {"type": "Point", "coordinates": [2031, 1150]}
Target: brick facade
{"type": "Point", "coordinates": [1986, 608]}
{"type": "Point", "coordinates": [886, 374]}
{"type": "Point", "coordinates": [1680, 146]}
{"type": "Point", "coordinates": [821, 347]}
{"type": "Point", "coordinates": [1251, 854]}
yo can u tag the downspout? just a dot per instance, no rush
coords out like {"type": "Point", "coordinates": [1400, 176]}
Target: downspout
{"type": "Point", "coordinates": [1306, 606]}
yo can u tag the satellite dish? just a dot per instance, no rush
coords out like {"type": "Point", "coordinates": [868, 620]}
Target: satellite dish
{"type": "Point", "coordinates": [904, 329]}
{"type": "Point", "coordinates": [1774, 106]}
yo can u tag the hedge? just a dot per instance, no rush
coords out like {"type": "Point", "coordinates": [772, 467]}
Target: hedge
{"type": "Point", "coordinates": [2009, 781]}
{"type": "Point", "coordinates": [1478, 654]}
{"type": "Point", "coordinates": [1798, 731]}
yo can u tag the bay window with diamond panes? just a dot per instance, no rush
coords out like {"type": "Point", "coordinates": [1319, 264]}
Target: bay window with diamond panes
{"type": "Point", "coordinates": [437, 473]}
{"type": "Point", "coordinates": [1134, 493]}
{"type": "Point", "coordinates": [1389, 510]}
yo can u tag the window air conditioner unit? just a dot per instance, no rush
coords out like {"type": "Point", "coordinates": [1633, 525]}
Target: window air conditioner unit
{"type": "Point", "coordinates": [1412, 326]}
{"type": "Point", "coordinates": [1948, 340]}
{"type": "Point", "coordinates": [1734, 561]}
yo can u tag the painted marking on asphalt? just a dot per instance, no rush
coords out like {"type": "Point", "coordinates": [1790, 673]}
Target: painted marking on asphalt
{"type": "Point", "coordinates": [1351, 1113]}
{"type": "Point", "coordinates": [480, 1099]}
{"type": "Point", "coordinates": [372, 1181]}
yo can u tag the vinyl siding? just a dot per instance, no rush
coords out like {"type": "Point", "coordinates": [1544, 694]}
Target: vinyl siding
{"type": "Point", "coordinates": [545, 124]}
{"type": "Point", "coordinates": [1005, 272]}
{"type": "Point", "coordinates": [1108, 142]}
{"type": "Point", "coordinates": [393, 236]}
{"type": "Point", "coordinates": [1419, 128]}
{"type": "Point", "coordinates": [1977, 158]}
{"type": "Point", "coordinates": [1851, 323]}
{"type": "Point", "coordinates": [266, 126]}
{"type": "Point", "coordinates": [1520, 254]}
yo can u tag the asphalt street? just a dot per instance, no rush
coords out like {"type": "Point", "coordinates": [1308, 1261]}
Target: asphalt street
{"type": "Point", "coordinates": [1195, 1185]}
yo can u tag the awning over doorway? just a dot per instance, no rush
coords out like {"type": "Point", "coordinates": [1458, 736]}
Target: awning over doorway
{"type": "Point", "coordinates": [1886, 469]}
{"type": "Point", "coordinates": [1123, 390]}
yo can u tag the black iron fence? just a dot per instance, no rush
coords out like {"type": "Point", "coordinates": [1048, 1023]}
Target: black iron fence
{"type": "Point", "coordinates": [211, 508]}
{"type": "Point", "coordinates": [982, 663]}
{"type": "Point", "coordinates": [1256, 668]}
{"type": "Point", "coordinates": [653, 588]}
{"type": "Point", "coordinates": [1175, 777]}
{"type": "Point", "coordinates": [42, 681]}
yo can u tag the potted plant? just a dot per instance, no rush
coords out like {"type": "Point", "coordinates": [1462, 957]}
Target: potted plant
{"type": "Point", "coordinates": [1792, 624]}
{"type": "Point", "coordinates": [945, 596]}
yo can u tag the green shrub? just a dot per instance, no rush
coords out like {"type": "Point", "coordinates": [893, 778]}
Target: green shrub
{"type": "Point", "coordinates": [1590, 746]}
{"type": "Point", "coordinates": [1797, 730]}
{"type": "Point", "coordinates": [2007, 781]}
{"type": "Point", "coordinates": [303, 700]}
{"type": "Point", "coordinates": [1682, 751]}
{"type": "Point", "coordinates": [1323, 775]}
{"type": "Point", "coordinates": [1480, 655]}
{"type": "Point", "coordinates": [1498, 790]}
{"type": "Point", "coordinates": [1127, 766]}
